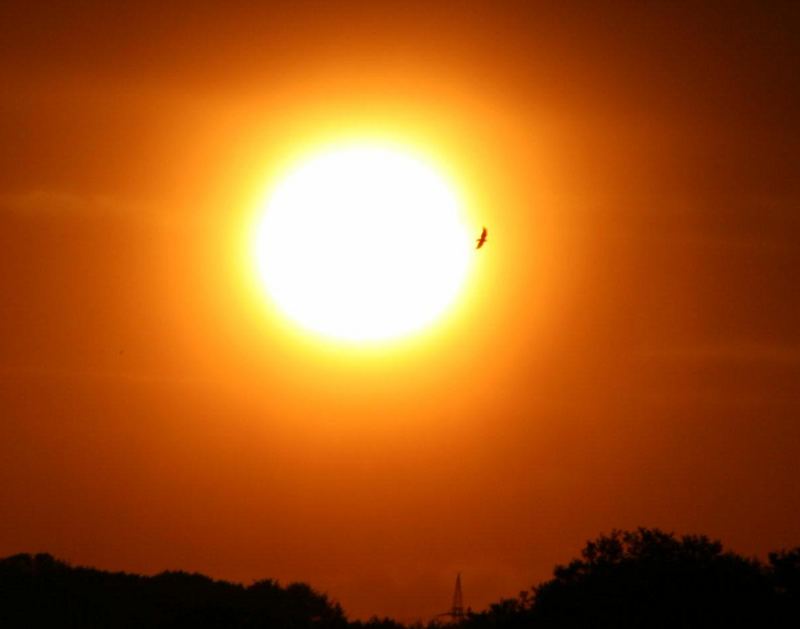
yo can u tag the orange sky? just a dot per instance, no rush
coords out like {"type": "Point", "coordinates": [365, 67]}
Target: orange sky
{"type": "Point", "coordinates": [628, 352]}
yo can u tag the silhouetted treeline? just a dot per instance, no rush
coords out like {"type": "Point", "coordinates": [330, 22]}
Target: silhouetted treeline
{"type": "Point", "coordinates": [651, 579]}
{"type": "Point", "coordinates": [644, 578]}
{"type": "Point", "coordinates": [39, 591]}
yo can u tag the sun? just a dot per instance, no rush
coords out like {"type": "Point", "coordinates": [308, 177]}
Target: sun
{"type": "Point", "coordinates": [363, 243]}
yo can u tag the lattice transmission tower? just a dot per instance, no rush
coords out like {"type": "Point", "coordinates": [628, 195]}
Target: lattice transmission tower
{"type": "Point", "coordinates": [456, 612]}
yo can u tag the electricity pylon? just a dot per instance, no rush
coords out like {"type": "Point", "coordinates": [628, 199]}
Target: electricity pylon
{"type": "Point", "coordinates": [456, 613]}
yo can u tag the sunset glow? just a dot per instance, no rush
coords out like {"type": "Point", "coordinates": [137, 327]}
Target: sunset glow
{"type": "Point", "coordinates": [247, 330]}
{"type": "Point", "coordinates": [363, 243]}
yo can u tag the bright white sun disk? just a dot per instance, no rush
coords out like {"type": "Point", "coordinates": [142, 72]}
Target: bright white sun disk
{"type": "Point", "coordinates": [363, 244]}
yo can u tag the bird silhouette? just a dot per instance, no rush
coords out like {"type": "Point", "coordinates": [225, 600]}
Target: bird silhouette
{"type": "Point", "coordinates": [482, 240]}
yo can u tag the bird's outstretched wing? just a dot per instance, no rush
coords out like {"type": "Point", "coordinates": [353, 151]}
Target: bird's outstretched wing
{"type": "Point", "coordinates": [482, 240]}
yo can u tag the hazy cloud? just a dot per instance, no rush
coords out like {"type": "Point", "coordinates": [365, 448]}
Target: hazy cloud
{"type": "Point", "coordinates": [60, 202]}
{"type": "Point", "coordinates": [734, 352]}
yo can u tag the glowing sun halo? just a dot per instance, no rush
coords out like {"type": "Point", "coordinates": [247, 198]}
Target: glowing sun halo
{"type": "Point", "coordinates": [363, 244]}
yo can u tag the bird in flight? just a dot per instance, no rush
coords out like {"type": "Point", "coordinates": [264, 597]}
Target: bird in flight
{"type": "Point", "coordinates": [482, 240]}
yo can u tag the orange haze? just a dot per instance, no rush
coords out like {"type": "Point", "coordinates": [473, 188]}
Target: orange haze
{"type": "Point", "coordinates": [628, 352]}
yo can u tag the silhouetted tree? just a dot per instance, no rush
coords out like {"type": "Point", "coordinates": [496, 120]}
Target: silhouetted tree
{"type": "Point", "coordinates": [643, 578]}
{"type": "Point", "coordinates": [649, 578]}
{"type": "Point", "coordinates": [377, 623]}
{"type": "Point", "coordinates": [39, 591]}
{"type": "Point", "coordinates": [785, 577]}
{"type": "Point", "coordinates": [508, 613]}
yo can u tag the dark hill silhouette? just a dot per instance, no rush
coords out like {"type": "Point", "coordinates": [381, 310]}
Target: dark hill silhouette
{"type": "Point", "coordinates": [628, 579]}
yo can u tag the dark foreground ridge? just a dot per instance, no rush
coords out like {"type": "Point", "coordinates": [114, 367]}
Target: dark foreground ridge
{"type": "Point", "coordinates": [643, 578]}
